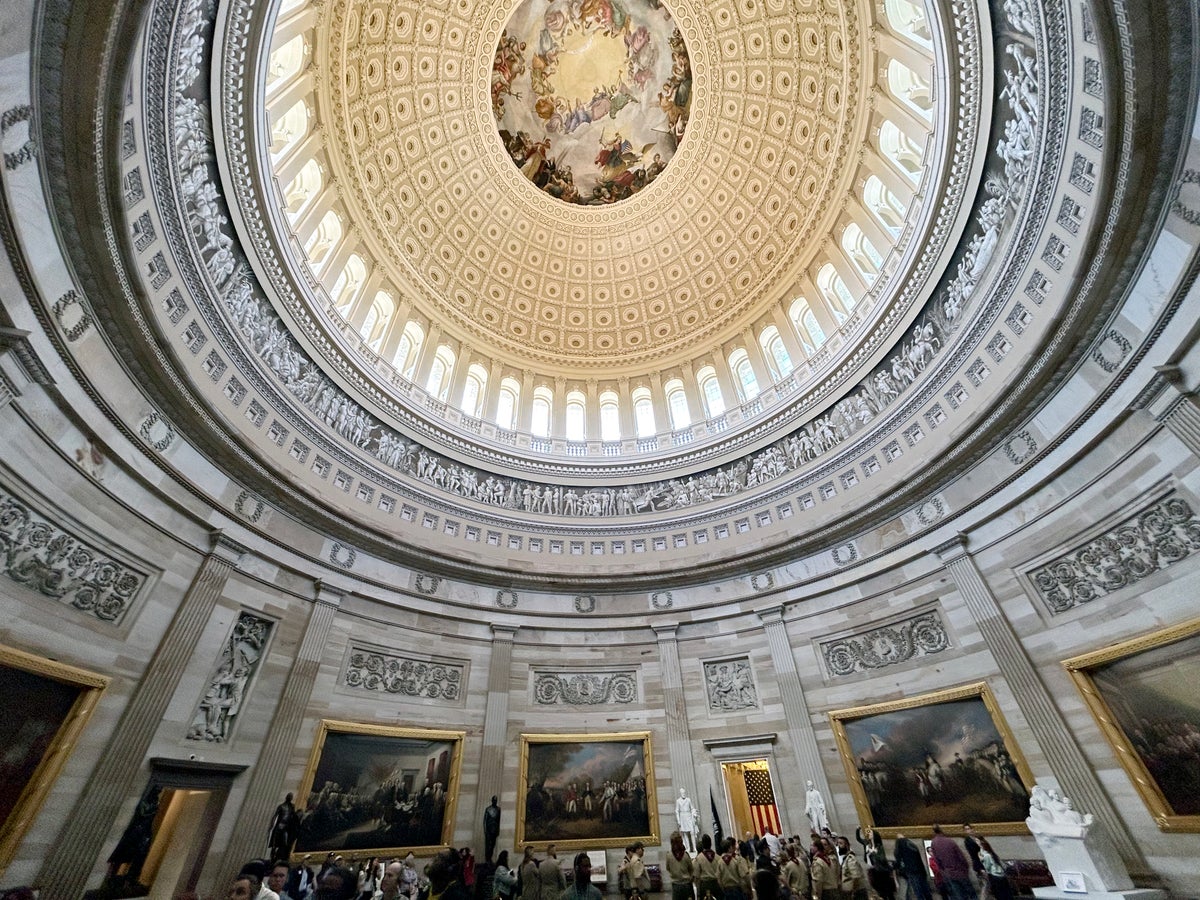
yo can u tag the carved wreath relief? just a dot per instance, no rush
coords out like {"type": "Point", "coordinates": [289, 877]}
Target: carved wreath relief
{"type": "Point", "coordinates": [888, 645]}
{"type": "Point", "coordinates": [584, 688]}
{"type": "Point", "coordinates": [373, 670]}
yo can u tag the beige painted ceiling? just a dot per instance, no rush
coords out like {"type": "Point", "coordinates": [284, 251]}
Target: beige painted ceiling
{"type": "Point", "coordinates": [779, 112]}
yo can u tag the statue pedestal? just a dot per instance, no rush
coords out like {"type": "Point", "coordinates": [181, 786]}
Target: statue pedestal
{"type": "Point", "coordinates": [1084, 866]}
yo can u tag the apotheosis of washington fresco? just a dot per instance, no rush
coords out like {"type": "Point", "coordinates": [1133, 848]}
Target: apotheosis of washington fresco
{"type": "Point", "coordinates": [591, 97]}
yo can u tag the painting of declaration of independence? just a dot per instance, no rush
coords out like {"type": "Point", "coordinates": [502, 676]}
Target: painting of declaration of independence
{"type": "Point", "coordinates": [1143, 694]}
{"type": "Point", "coordinates": [586, 790]}
{"type": "Point", "coordinates": [591, 97]}
{"type": "Point", "coordinates": [375, 790]}
{"type": "Point", "coordinates": [941, 758]}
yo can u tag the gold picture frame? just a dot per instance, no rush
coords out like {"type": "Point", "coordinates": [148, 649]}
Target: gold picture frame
{"type": "Point", "coordinates": [560, 771]}
{"type": "Point", "coordinates": [49, 705]}
{"type": "Point", "coordinates": [404, 783]}
{"type": "Point", "coordinates": [904, 779]}
{"type": "Point", "coordinates": [1137, 679]}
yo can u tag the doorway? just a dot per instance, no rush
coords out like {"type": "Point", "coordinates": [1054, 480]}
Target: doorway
{"type": "Point", "coordinates": [751, 795]}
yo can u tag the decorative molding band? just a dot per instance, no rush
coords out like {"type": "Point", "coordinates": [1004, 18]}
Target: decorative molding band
{"type": "Point", "coordinates": [375, 670]}
{"type": "Point", "coordinates": [584, 688]}
{"type": "Point", "coordinates": [886, 645]}
{"type": "Point", "coordinates": [730, 685]}
{"type": "Point", "coordinates": [49, 559]}
{"type": "Point", "coordinates": [225, 695]}
{"type": "Point", "coordinates": [1158, 536]}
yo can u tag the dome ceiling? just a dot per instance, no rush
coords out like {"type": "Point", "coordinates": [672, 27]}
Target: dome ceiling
{"type": "Point", "coordinates": [775, 105]}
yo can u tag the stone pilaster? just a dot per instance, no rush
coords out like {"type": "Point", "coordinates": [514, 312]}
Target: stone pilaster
{"type": "Point", "coordinates": [679, 738]}
{"type": "Point", "coordinates": [65, 872]}
{"type": "Point", "coordinates": [1066, 759]}
{"type": "Point", "coordinates": [495, 728]}
{"type": "Point", "coordinates": [249, 836]}
{"type": "Point", "coordinates": [1171, 403]}
{"type": "Point", "coordinates": [801, 734]}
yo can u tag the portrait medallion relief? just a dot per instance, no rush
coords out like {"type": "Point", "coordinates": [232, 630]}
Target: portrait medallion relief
{"type": "Point", "coordinates": [591, 97]}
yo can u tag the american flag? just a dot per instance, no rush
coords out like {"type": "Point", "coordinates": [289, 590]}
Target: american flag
{"type": "Point", "coordinates": [762, 801]}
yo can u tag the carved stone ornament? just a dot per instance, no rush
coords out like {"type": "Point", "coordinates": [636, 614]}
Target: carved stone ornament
{"type": "Point", "coordinates": [46, 558]}
{"type": "Point", "coordinates": [887, 645]}
{"type": "Point", "coordinates": [584, 688]}
{"type": "Point", "coordinates": [225, 695]}
{"type": "Point", "coordinates": [1159, 536]}
{"type": "Point", "coordinates": [374, 670]}
{"type": "Point", "coordinates": [730, 685]}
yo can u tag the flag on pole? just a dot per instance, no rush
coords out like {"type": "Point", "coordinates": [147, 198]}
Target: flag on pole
{"type": "Point", "coordinates": [717, 833]}
{"type": "Point", "coordinates": [762, 801]}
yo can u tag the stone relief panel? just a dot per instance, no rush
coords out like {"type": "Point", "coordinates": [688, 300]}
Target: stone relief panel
{"type": "Point", "coordinates": [886, 645]}
{"type": "Point", "coordinates": [584, 688]}
{"type": "Point", "coordinates": [1158, 536]}
{"type": "Point", "coordinates": [730, 685]}
{"type": "Point", "coordinates": [54, 562]}
{"type": "Point", "coordinates": [218, 709]}
{"type": "Point", "coordinates": [377, 670]}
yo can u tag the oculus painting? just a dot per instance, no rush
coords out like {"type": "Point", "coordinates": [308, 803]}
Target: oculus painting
{"type": "Point", "coordinates": [942, 758]}
{"type": "Point", "coordinates": [374, 790]}
{"type": "Point", "coordinates": [1143, 694]}
{"type": "Point", "coordinates": [591, 97]}
{"type": "Point", "coordinates": [587, 791]}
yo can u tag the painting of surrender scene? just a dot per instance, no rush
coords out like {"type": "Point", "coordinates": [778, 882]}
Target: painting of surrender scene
{"type": "Point", "coordinates": [946, 757]}
{"type": "Point", "coordinates": [587, 790]}
{"type": "Point", "coordinates": [375, 788]}
{"type": "Point", "coordinates": [591, 97]}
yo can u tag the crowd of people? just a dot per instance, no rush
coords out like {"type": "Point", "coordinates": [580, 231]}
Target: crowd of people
{"type": "Point", "coordinates": [826, 866]}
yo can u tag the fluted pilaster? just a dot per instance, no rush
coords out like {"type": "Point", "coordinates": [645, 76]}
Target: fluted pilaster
{"type": "Point", "coordinates": [1066, 759]}
{"type": "Point", "coordinates": [801, 734]}
{"type": "Point", "coordinates": [495, 726]}
{"type": "Point", "coordinates": [65, 871]}
{"type": "Point", "coordinates": [679, 737]}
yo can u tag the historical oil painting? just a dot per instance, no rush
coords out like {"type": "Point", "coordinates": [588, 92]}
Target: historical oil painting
{"type": "Point", "coordinates": [583, 791]}
{"type": "Point", "coordinates": [591, 97]}
{"type": "Point", "coordinates": [1143, 694]}
{"type": "Point", "coordinates": [374, 790]}
{"type": "Point", "coordinates": [48, 705]}
{"type": "Point", "coordinates": [940, 758]}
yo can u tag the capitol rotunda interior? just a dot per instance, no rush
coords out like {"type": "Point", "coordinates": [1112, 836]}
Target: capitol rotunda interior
{"type": "Point", "coordinates": [801, 387]}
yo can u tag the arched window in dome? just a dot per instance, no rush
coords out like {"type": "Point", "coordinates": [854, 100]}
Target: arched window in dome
{"type": "Point", "coordinates": [743, 372]}
{"type": "Point", "coordinates": [901, 149]}
{"type": "Point", "coordinates": [677, 404]}
{"type": "Point", "coordinates": [837, 295]}
{"type": "Point", "coordinates": [543, 402]}
{"type": "Point", "coordinates": [324, 238]}
{"type": "Point", "coordinates": [576, 416]}
{"type": "Point", "coordinates": [610, 417]}
{"type": "Point", "coordinates": [289, 127]}
{"type": "Point", "coordinates": [909, 88]}
{"type": "Point", "coordinates": [440, 372]}
{"type": "Point", "coordinates": [507, 403]}
{"type": "Point", "coordinates": [810, 332]}
{"type": "Point", "coordinates": [305, 186]}
{"type": "Point", "coordinates": [286, 61]}
{"type": "Point", "coordinates": [776, 352]}
{"type": "Point", "coordinates": [710, 390]}
{"type": "Point", "coordinates": [348, 284]}
{"type": "Point", "coordinates": [409, 349]}
{"type": "Point", "coordinates": [883, 205]}
{"type": "Point", "coordinates": [376, 322]}
{"type": "Point", "coordinates": [473, 389]}
{"type": "Point", "coordinates": [861, 252]}
{"type": "Point", "coordinates": [643, 412]}
{"type": "Point", "coordinates": [908, 17]}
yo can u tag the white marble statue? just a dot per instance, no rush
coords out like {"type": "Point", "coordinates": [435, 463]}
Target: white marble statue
{"type": "Point", "coordinates": [687, 820]}
{"type": "Point", "coordinates": [814, 808]}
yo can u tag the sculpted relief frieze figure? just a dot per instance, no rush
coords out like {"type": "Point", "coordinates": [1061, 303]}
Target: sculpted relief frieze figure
{"type": "Point", "coordinates": [226, 692]}
{"type": "Point", "coordinates": [730, 685]}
